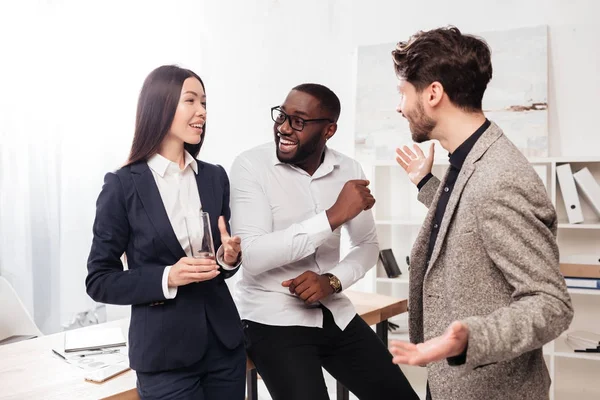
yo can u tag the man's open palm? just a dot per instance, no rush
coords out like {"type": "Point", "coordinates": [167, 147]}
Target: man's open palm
{"type": "Point", "coordinates": [452, 343]}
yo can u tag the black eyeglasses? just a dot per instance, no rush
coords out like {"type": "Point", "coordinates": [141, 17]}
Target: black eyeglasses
{"type": "Point", "coordinates": [297, 123]}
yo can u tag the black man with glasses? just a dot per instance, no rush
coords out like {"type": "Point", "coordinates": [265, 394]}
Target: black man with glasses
{"type": "Point", "coordinates": [289, 201]}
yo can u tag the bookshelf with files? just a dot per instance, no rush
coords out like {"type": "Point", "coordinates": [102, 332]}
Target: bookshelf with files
{"type": "Point", "coordinates": [399, 216]}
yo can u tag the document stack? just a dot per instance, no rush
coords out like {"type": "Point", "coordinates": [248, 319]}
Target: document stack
{"type": "Point", "coordinates": [582, 276]}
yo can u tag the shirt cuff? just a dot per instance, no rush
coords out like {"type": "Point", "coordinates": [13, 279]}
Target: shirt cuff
{"type": "Point", "coordinates": [459, 359]}
{"type": "Point", "coordinates": [424, 180]}
{"type": "Point", "coordinates": [317, 228]}
{"type": "Point", "coordinates": [222, 262]}
{"type": "Point", "coordinates": [169, 292]}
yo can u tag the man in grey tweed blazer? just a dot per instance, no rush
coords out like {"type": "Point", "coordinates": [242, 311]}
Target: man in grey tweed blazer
{"type": "Point", "coordinates": [485, 288]}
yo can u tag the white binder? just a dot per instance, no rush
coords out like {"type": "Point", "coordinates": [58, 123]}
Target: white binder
{"type": "Point", "coordinates": [589, 187]}
{"type": "Point", "coordinates": [569, 193]}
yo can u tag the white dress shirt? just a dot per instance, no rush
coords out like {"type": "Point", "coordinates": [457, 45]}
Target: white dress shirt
{"type": "Point", "coordinates": [179, 193]}
{"type": "Point", "coordinates": [278, 210]}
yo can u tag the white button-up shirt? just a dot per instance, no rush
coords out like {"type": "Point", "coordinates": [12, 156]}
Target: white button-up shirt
{"type": "Point", "coordinates": [179, 193]}
{"type": "Point", "coordinates": [278, 210]}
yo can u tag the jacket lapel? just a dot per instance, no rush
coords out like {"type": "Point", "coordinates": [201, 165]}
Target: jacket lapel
{"type": "Point", "coordinates": [204, 181]}
{"type": "Point", "coordinates": [463, 177]}
{"type": "Point", "coordinates": [205, 188]}
{"type": "Point", "coordinates": [418, 268]}
{"type": "Point", "coordinates": [485, 141]}
{"type": "Point", "coordinates": [419, 252]}
{"type": "Point", "coordinates": [152, 202]}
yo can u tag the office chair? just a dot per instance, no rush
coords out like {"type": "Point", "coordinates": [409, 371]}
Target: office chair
{"type": "Point", "coordinates": [15, 322]}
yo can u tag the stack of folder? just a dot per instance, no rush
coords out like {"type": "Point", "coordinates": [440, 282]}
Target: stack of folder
{"type": "Point", "coordinates": [584, 276]}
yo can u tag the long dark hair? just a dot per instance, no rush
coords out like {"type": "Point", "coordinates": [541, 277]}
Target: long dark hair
{"type": "Point", "coordinates": [156, 109]}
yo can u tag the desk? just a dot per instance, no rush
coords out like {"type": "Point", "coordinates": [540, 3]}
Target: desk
{"type": "Point", "coordinates": [29, 369]}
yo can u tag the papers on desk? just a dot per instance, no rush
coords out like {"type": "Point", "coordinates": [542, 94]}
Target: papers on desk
{"type": "Point", "coordinates": [92, 349]}
{"type": "Point", "coordinates": [93, 360]}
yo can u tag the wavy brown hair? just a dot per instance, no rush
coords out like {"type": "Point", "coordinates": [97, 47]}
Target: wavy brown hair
{"type": "Point", "coordinates": [156, 109]}
{"type": "Point", "coordinates": [461, 63]}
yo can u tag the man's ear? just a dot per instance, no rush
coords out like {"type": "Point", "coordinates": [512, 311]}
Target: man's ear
{"type": "Point", "coordinates": [330, 131]}
{"type": "Point", "coordinates": [434, 93]}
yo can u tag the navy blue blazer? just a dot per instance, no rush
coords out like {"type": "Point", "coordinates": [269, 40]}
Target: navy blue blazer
{"type": "Point", "coordinates": [131, 218]}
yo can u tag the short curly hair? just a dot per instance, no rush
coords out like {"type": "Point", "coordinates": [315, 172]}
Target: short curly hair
{"type": "Point", "coordinates": [461, 63]}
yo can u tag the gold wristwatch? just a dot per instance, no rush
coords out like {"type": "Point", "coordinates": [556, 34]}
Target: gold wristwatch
{"type": "Point", "coordinates": [334, 282]}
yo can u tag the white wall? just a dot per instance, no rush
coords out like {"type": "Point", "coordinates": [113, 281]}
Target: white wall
{"type": "Point", "coordinates": [271, 48]}
{"type": "Point", "coordinates": [73, 70]}
{"type": "Point", "coordinates": [258, 50]}
{"type": "Point", "coordinates": [574, 40]}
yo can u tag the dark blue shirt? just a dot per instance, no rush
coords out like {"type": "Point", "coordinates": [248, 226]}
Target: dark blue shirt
{"type": "Point", "coordinates": [457, 160]}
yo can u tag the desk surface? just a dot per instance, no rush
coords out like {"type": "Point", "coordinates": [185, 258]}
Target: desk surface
{"type": "Point", "coordinates": [29, 369]}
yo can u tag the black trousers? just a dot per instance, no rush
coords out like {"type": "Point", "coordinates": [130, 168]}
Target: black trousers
{"type": "Point", "coordinates": [289, 360]}
{"type": "Point", "coordinates": [220, 375]}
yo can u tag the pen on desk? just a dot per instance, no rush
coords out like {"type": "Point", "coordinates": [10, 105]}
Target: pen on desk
{"type": "Point", "coordinates": [95, 353]}
{"type": "Point", "coordinates": [58, 354]}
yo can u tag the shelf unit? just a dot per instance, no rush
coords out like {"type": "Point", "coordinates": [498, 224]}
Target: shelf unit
{"type": "Point", "coordinates": [399, 216]}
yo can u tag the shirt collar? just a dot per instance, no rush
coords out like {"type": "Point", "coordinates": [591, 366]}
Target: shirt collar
{"type": "Point", "coordinates": [329, 161]}
{"type": "Point", "coordinates": [331, 158]}
{"type": "Point", "coordinates": [457, 159]}
{"type": "Point", "coordinates": [161, 165]}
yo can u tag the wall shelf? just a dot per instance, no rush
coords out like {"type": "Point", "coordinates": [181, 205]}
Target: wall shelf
{"type": "Point", "coordinates": [578, 226]}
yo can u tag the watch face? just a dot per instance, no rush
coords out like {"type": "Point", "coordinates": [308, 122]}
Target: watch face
{"type": "Point", "coordinates": [335, 283]}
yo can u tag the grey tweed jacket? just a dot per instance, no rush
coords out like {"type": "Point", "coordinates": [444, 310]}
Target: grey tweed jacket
{"type": "Point", "coordinates": [495, 268]}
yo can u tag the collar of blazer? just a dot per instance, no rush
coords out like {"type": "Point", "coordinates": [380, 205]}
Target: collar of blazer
{"type": "Point", "coordinates": [147, 190]}
{"type": "Point", "coordinates": [491, 135]}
